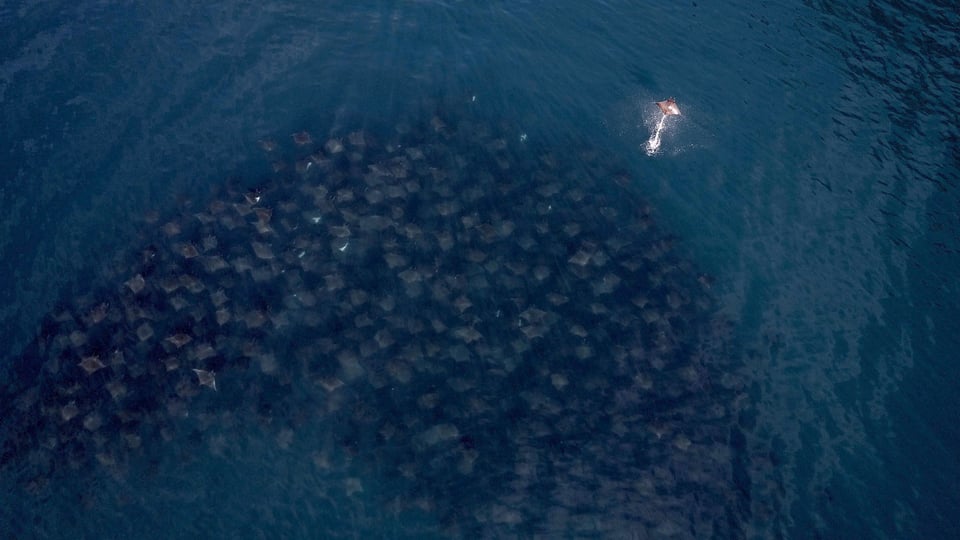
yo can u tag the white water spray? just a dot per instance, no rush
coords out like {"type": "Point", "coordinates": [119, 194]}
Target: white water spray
{"type": "Point", "coordinates": [653, 144]}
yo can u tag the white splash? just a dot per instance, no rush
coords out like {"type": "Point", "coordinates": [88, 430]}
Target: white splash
{"type": "Point", "coordinates": [653, 144]}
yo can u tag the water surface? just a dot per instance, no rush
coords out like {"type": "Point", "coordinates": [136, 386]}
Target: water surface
{"type": "Point", "coordinates": [813, 173]}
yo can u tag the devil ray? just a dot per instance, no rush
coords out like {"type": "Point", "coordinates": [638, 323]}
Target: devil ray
{"type": "Point", "coordinates": [497, 330]}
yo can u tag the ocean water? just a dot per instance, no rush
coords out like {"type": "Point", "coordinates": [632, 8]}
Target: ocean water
{"type": "Point", "coordinates": [813, 174]}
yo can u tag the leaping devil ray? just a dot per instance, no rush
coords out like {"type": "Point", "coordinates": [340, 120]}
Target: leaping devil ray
{"type": "Point", "coordinates": [669, 108]}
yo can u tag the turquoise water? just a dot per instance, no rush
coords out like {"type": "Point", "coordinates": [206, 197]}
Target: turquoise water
{"type": "Point", "coordinates": [814, 174]}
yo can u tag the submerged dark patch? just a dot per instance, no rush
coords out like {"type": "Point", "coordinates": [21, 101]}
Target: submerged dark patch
{"type": "Point", "coordinates": [497, 331]}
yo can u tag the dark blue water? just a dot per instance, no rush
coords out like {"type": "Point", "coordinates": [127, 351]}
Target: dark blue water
{"type": "Point", "coordinates": [814, 173]}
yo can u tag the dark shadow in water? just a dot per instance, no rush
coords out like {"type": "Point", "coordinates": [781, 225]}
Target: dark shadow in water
{"type": "Point", "coordinates": [496, 332]}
